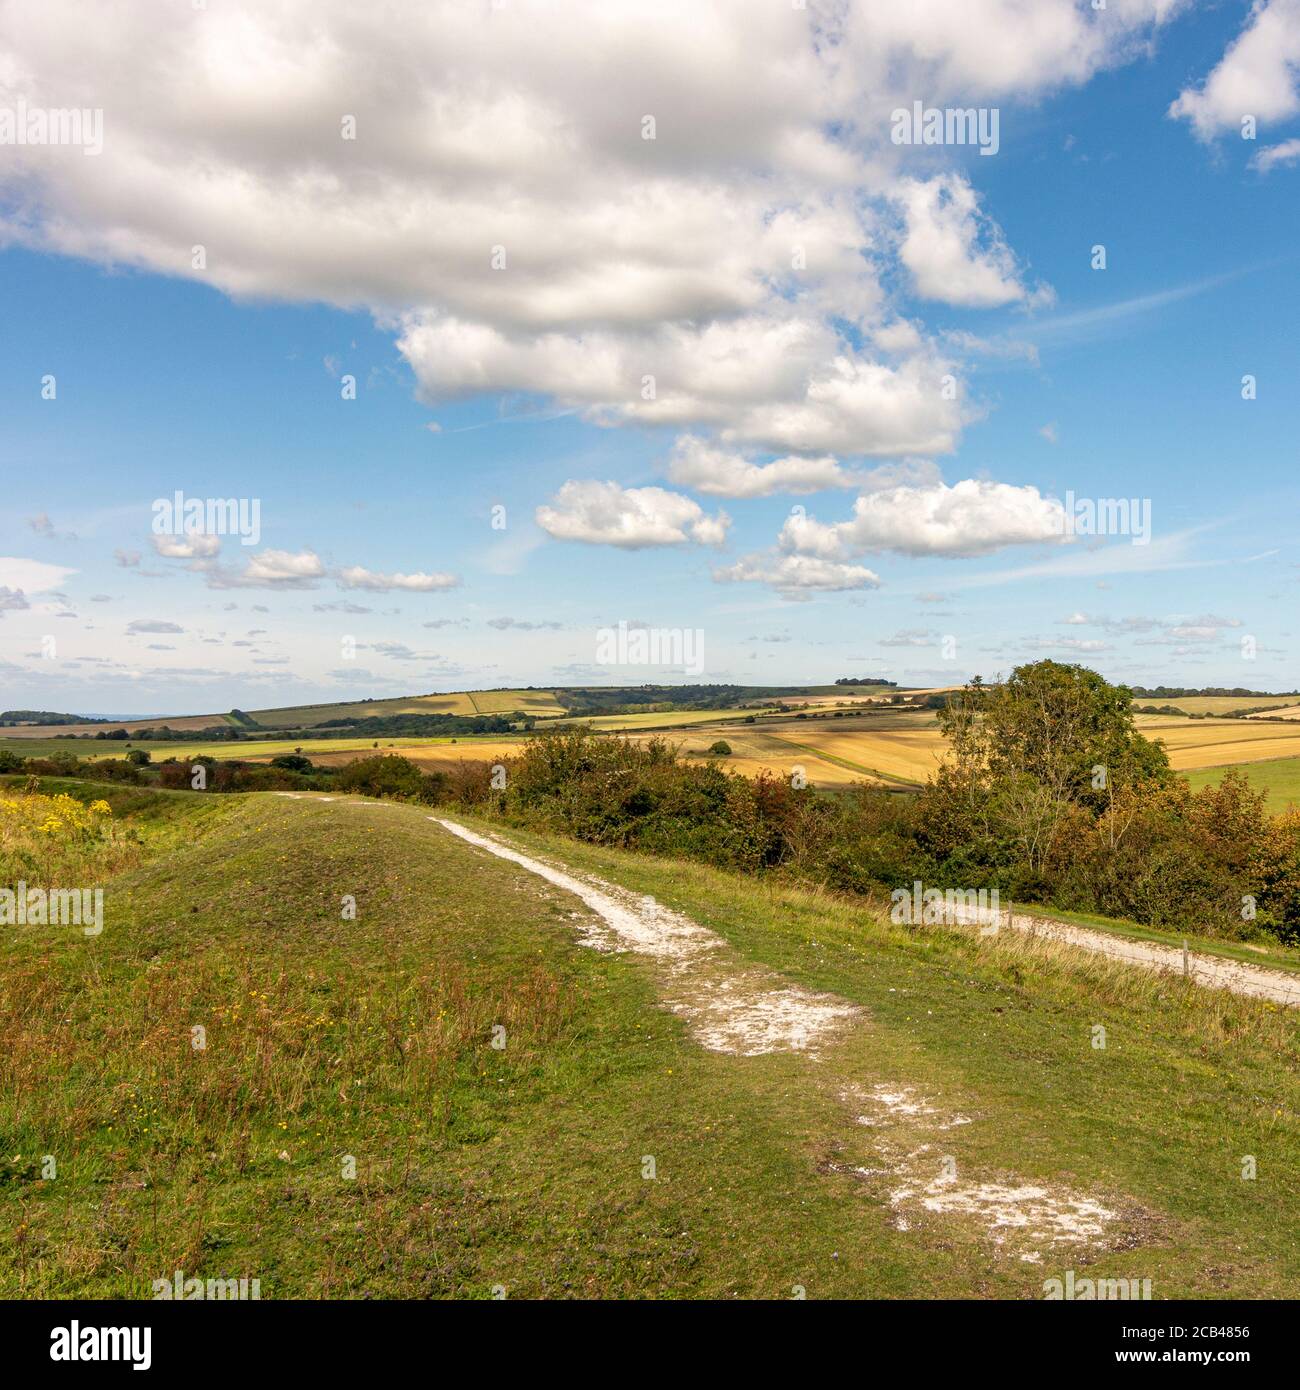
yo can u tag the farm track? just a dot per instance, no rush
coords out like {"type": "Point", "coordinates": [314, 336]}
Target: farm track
{"type": "Point", "coordinates": [1213, 972]}
{"type": "Point", "coordinates": [734, 1006]}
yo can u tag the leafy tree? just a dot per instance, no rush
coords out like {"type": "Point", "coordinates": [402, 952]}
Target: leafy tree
{"type": "Point", "coordinates": [292, 762]}
{"type": "Point", "coordinates": [1050, 740]}
{"type": "Point", "coordinates": [383, 775]}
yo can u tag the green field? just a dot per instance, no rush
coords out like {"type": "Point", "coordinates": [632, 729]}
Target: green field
{"type": "Point", "coordinates": [1279, 777]}
{"type": "Point", "coordinates": [523, 1168]}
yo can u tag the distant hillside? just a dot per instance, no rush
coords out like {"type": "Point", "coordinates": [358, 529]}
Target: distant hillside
{"type": "Point", "coordinates": [42, 716]}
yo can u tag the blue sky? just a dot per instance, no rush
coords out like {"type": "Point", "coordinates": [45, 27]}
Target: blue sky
{"type": "Point", "coordinates": [476, 390]}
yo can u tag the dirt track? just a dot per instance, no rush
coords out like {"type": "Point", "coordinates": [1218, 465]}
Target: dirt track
{"type": "Point", "coordinates": [1215, 972]}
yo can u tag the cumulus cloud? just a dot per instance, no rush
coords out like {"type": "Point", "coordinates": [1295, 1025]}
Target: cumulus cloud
{"type": "Point", "coordinates": [798, 576]}
{"type": "Point", "coordinates": [953, 253]}
{"type": "Point", "coordinates": [776, 380]}
{"type": "Point", "coordinates": [282, 569]}
{"type": "Point", "coordinates": [969, 518]}
{"type": "Point", "coordinates": [194, 545]}
{"type": "Point", "coordinates": [1276, 156]}
{"type": "Point", "coordinates": [1258, 76]}
{"type": "Point", "coordinates": [355, 577]}
{"type": "Point", "coordinates": [721, 472]}
{"type": "Point", "coordinates": [631, 518]}
{"type": "Point", "coordinates": [500, 209]}
{"type": "Point", "coordinates": [31, 576]}
{"type": "Point", "coordinates": [270, 569]}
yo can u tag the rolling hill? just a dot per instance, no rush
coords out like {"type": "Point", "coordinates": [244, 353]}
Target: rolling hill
{"type": "Point", "coordinates": [451, 1094]}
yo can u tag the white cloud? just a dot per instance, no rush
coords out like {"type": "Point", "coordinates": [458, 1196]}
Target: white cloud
{"type": "Point", "coordinates": [989, 48]}
{"type": "Point", "coordinates": [798, 576]}
{"type": "Point", "coordinates": [1067, 644]}
{"type": "Point", "coordinates": [969, 518]}
{"type": "Point", "coordinates": [1275, 156]}
{"type": "Point", "coordinates": [954, 255]}
{"type": "Point", "coordinates": [355, 577]}
{"type": "Point", "coordinates": [31, 576]}
{"type": "Point", "coordinates": [152, 625]}
{"type": "Point", "coordinates": [194, 545]}
{"type": "Point", "coordinates": [631, 518]}
{"type": "Point", "coordinates": [721, 472]}
{"type": "Point", "coordinates": [723, 258]}
{"type": "Point", "coordinates": [778, 380]}
{"type": "Point", "coordinates": [270, 569]}
{"type": "Point", "coordinates": [1258, 76]}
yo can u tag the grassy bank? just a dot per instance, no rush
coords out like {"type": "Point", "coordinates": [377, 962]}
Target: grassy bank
{"type": "Point", "coordinates": [522, 1167]}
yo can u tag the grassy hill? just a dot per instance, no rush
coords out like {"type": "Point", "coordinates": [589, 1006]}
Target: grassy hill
{"type": "Point", "coordinates": [521, 1168]}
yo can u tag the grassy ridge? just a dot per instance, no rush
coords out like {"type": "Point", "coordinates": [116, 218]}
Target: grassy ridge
{"type": "Point", "coordinates": [523, 1167]}
{"type": "Point", "coordinates": [475, 1167]}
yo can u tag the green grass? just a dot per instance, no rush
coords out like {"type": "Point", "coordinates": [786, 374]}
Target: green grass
{"type": "Point", "coordinates": [1279, 777]}
{"type": "Point", "coordinates": [1190, 1080]}
{"type": "Point", "coordinates": [523, 1167]}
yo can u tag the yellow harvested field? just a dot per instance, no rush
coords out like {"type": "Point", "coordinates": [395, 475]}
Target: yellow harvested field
{"type": "Point", "coordinates": [669, 721]}
{"type": "Point", "coordinates": [541, 702]}
{"type": "Point", "coordinates": [1278, 712]}
{"type": "Point", "coordinates": [903, 748]}
{"type": "Point", "coordinates": [818, 772]}
{"type": "Point", "coordinates": [1217, 742]}
{"type": "Point", "coordinates": [820, 702]}
{"type": "Point", "coordinates": [1213, 704]}
{"type": "Point", "coordinates": [909, 754]}
{"type": "Point", "coordinates": [432, 757]}
{"type": "Point", "coordinates": [304, 716]}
